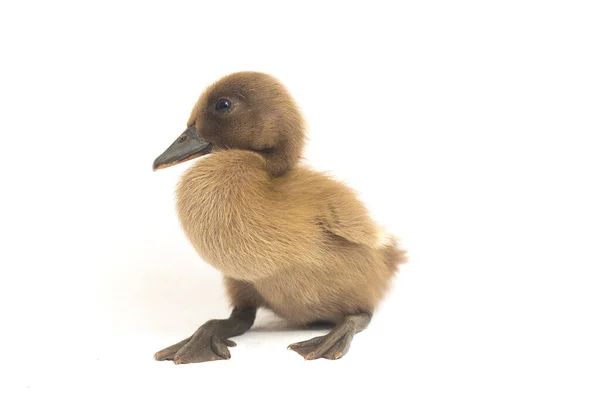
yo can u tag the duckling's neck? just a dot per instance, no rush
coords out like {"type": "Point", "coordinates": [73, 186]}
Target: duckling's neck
{"type": "Point", "coordinates": [285, 154]}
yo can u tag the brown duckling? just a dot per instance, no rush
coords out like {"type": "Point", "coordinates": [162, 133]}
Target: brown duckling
{"type": "Point", "coordinates": [285, 237]}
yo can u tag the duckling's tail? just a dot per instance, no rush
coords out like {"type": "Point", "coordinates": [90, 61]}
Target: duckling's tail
{"type": "Point", "coordinates": [393, 255]}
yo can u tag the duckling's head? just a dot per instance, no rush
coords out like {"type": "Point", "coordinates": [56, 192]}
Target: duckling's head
{"type": "Point", "coordinates": [245, 110]}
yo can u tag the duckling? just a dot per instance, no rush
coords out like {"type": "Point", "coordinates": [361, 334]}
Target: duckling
{"type": "Point", "coordinates": [285, 237]}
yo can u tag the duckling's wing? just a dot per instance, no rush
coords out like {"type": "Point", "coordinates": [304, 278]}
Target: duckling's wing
{"type": "Point", "coordinates": [346, 216]}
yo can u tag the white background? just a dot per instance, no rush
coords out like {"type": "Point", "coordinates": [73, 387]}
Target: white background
{"type": "Point", "coordinates": [470, 129]}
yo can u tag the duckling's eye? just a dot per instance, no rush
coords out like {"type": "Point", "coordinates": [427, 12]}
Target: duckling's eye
{"type": "Point", "coordinates": [223, 105]}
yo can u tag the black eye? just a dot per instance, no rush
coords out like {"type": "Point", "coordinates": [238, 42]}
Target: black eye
{"type": "Point", "coordinates": [223, 105]}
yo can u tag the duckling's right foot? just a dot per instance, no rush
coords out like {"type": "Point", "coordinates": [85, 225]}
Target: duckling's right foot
{"type": "Point", "coordinates": [210, 342]}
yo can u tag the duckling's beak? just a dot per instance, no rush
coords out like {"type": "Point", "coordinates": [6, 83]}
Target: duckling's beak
{"type": "Point", "coordinates": [188, 145]}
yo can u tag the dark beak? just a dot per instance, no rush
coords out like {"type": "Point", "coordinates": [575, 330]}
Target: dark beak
{"type": "Point", "coordinates": [187, 146]}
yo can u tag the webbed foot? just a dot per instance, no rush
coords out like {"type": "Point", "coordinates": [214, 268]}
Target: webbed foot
{"type": "Point", "coordinates": [211, 341]}
{"type": "Point", "coordinates": [336, 343]}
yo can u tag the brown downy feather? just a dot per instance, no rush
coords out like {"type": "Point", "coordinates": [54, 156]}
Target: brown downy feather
{"type": "Point", "coordinates": [285, 237]}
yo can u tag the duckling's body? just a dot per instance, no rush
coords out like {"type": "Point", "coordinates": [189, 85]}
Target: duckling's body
{"type": "Point", "coordinates": [301, 241]}
{"type": "Point", "coordinates": [285, 237]}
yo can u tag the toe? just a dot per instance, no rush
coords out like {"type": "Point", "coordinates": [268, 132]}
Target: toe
{"type": "Point", "coordinates": [339, 349]}
{"type": "Point", "coordinates": [160, 356]}
{"type": "Point", "coordinates": [190, 357]}
{"type": "Point", "coordinates": [220, 348]}
{"type": "Point", "coordinates": [301, 351]}
{"type": "Point", "coordinates": [169, 352]}
{"type": "Point", "coordinates": [307, 343]}
{"type": "Point", "coordinates": [330, 354]}
{"type": "Point", "coordinates": [310, 352]}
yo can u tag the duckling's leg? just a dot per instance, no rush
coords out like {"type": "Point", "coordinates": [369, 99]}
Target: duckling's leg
{"type": "Point", "coordinates": [336, 343]}
{"type": "Point", "coordinates": [210, 340]}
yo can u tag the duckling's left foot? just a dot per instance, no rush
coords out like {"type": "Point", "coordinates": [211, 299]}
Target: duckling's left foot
{"type": "Point", "coordinates": [336, 343]}
{"type": "Point", "coordinates": [210, 341]}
